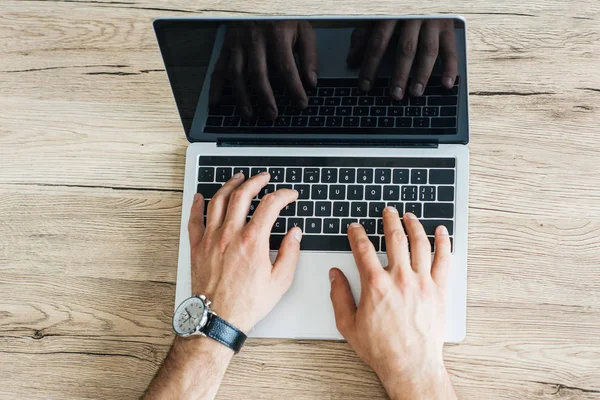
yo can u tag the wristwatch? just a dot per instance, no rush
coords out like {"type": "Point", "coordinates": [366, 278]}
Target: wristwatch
{"type": "Point", "coordinates": [195, 317]}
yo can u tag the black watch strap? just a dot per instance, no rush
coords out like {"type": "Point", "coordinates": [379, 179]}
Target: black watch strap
{"type": "Point", "coordinates": [223, 332]}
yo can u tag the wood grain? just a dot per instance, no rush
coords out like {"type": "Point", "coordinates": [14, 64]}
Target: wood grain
{"type": "Point", "coordinates": [91, 170]}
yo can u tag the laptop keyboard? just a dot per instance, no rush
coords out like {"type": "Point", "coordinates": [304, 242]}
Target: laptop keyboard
{"type": "Point", "coordinates": [335, 192]}
{"type": "Point", "coordinates": [337, 106]}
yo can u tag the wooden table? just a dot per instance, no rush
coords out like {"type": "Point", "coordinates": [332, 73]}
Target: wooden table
{"type": "Point", "coordinates": [91, 172]}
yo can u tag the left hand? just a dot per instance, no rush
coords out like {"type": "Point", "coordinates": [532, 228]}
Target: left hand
{"type": "Point", "coordinates": [230, 258]}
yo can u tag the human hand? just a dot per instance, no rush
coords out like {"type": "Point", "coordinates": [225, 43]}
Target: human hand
{"type": "Point", "coordinates": [418, 46]}
{"type": "Point", "coordinates": [244, 60]}
{"type": "Point", "coordinates": [398, 326]}
{"type": "Point", "coordinates": [230, 258]}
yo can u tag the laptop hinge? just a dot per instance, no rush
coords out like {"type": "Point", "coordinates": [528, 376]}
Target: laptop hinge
{"type": "Point", "coordinates": [279, 142]}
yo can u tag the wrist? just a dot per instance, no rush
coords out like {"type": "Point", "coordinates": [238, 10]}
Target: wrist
{"type": "Point", "coordinates": [201, 348]}
{"type": "Point", "coordinates": [426, 382]}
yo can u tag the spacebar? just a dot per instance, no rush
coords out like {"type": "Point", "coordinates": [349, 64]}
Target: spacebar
{"type": "Point", "coordinates": [316, 242]}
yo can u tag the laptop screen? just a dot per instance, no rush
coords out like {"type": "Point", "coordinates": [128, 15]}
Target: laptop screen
{"type": "Point", "coordinates": [317, 80]}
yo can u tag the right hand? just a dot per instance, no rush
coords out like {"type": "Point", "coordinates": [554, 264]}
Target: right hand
{"type": "Point", "coordinates": [248, 50]}
{"type": "Point", "coordinates": [398, 326]}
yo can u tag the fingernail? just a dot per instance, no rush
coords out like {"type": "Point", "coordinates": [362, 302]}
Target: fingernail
{"type": "Point", "coordinates": [392, 209]}
{"type": "Point", "coordinates": [397, 93]}
{"type": "Point", "coordinates": [364, 85]}
{"type": "Point", "coordinates": [196, 197]}
{"type": "Point", "coordinates": [418, 89]}
{"type": "Point", "coordinates": [332, 275]}
{"type": "Point", "coordinates": [264, 173]}
{"type": "Point", "coordinates": [239, 175]}
{"type": "Point", "coordinates": [354, 225]}
{"type": "Point", "coordinates": [313, 78]}
{"type": "Point", "coordinates": [410, 216]}
{"type": "Point", "coordinates": [297, 233]}
{"type": "Point", "coordinates": [301, 104]}
{"type": "Point", "coordinates": [246, 111]}
{"type": "Point", "coordinates": [442, 230]}
{"type": "Point", "coordinates": [448, 82]}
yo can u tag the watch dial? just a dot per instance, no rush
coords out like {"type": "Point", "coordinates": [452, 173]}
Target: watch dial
{"type": "Point", "coordinates": [188, 316]}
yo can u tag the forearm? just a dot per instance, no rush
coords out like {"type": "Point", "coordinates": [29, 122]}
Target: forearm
{"type": "Point", "coordinates": [193, 369]}
{"type": "Point", "coordinates": [433, 385]}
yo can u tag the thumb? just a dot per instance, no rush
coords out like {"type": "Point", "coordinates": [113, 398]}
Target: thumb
{"type": "Point", "coordinates": [287, 257]}
{"type": "Point", "coordinates": [342, 300]}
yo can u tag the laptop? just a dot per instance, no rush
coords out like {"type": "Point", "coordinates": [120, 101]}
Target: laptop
{"type": "Point", "coordinates": [348, 149]}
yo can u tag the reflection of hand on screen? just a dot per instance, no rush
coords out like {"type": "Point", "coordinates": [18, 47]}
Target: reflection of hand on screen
{"type": "Point", "coordinates": [251, 49]}
{"type": "Point", "coordinates": [419, 44]}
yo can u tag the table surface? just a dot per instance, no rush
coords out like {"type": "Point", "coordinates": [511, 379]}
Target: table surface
{"type": "Point", "coordinates": [91, 171]}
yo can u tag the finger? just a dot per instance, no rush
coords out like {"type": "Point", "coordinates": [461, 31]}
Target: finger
{"type": "Point", "coordinates": [286, 66]}
{"type": "Point", "coordinates": [406, 49]}
{"type": "Point", "coordinates": [396, 242]}
{"type": "Point", "coordinates": [442, 258]}
{"type": "Point", "coordinates": [343, 303]}
{"type": "Point", "coordinates": [269, 208]}
{"type": "Point", "coordinates": [420, 249]}
{"type": "Point", "coordinates": [307, 50]}
{"type": "Point", "coordinates": [429, 45]}
{"type": "Point", "coordinates": [196, 222]}
{"type": "Point", "coordinates": [376, 46]}
{"type": "Point", "coordinates": [287, 258]}
{"type": "Point", "coordinates": [241, 197]}
{"type": "Point", "coordinates": [358, 42]}
{"type": "Point", "coordinates": [449, 56]}
{"type": "Point", "coordinates": [365, 257]}
{"type": "Point", "coordinates": [218, 77]}
{"type": "Point", "coordinates": [217, 207]}
{"type": "Point", "coordinates": [258, 71]}
{"type": "Point", "coordinates": [238, 82]}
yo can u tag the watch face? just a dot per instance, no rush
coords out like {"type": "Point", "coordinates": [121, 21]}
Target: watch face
{"type": "Point", "coordinates": [188, 316]}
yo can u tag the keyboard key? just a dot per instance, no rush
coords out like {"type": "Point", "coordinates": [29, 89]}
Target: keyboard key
{"type": "Point", "coordinates": [279, 226]}
{"type": "Point", "coordinates": [385, 122]}
{"type": "Point", "coordinates": [355, 192]}
{"type": "Point", "coordinates": [327, 110]}
{"type": "Point", "coordinates": [293, 175]}
{"type": "Point", "coordinates": [214, 121]}
{"type": "Point", "coordinates": [391, 192]}
{"type": "Point", "coordinates": [430, 111]}
{"type": "Point", "coordinates": [364, 175]}
{"type": "Point", "coordinates": [395, 111]}
{"type": "Point", "coordinates": [318, 192]}
{"type": "Point", "coordinates": [341, 209]}
{"type": "Point", "coordinates": [277, 174]}
{"type": "Point", "coordinates": [331, 225]}
{"type": "Point", "coordinates": [346, 223]}
{"type": "Point", "coordinates": [445, 193]}
{"type": "Point", "coordinates": [333, 101]}
{"type": "Point", "coordinates": [441, 176]}
{"type": "Point", "coordinates": [310, 110]}
{"type": "Point", "coordinates": [208, 190]}
{"type": "Point", "coordinates": [316, 101]}
{"type": "Point", "coordinates": [368, 122]}
{"type": "Point", "coordinates": [243, 170]}
{"type": "Point", "coordinates": [375, 241]}
{"type": "Point", "coordinates": [380, 226]}
{"type": "Point", "coordinates": [206, 174]}
{"type": "Point", "coordinates": [325, 243]}
{"type": "Point", "coordinates": [316, 121]}
{"type": "Point", "coordinates": [295, 222]}
{"type": "Point", "coordinates": [370, 225]}
{"type": "Point", "coordinates": [333, 121]}
{"type": "Point", "coordinates": [382, 101]}
{"type": "Point", "coordinates": [329, 175]}
{"type": "Point", "coordinates": [347, 175]}
{"type": "Point", "coordinates": [223, 174]}
{"type": "Point", "coordinates": [349, 101]}
{"type": "Point", "coordinates": [417, 101]}
{"type": "Point", "coordinates": [266, 190]}
{"type": "Point", "coordinates": [231, 121]}
{"type": "Point", "coordinates": [248, 122]}
{"type": "Point", "coordinates": [299, 121]}
{"type": "Point", "coordinates": [327, 92]}
{"type": "Point", "coordinates": [398, 206]}
{"type": "Point", "coordinates": [313, 225]}
{"type": "Point", "coordinates": [305, 209]}
{"type": "Point", "coordinates": [431, 90]}
{"type": "Point", "coordinates": [383, 175]}
{"type": "Point", "coordinates": [443, 122]}
{"type": "Point", "coordinates": [342, 92]}
{"type": "Point", "coordinates": [337, 192]}
{"type": "Point", "coordinates": [283, 121]}
{"type": "Point", "coordinates": [343, 111]}
{"type": "Point", "coordinates": [282, 101]}
{"type": "Point", "coordinates": [351, 121]}
{"type": "Point", "coordinates": [400, 176]}
{"type": "Point", "coordinates": [438, 210]}
{"type": "Point", "coordinates": [448, 111]}
{"type": "Point", "coordinates": [418, 176]}
{"type": "Point", "coordinates": [289, 210]}
{"type": "Point", "coordinates": [376, 209]}
{"type": "Point", "coordinates": [378, 111]}
{"type": "Point", "coordinates": [360, 111]}
{"type": "Point", "coordinates": [409, 193]}
{"type": "Point", "coordinates": [358, 209]}
{"type": "Point", "coordinates": [366, 101]}
{"type": "Point", "coordinates": [262, 122]}
{"type": "Point", "coordinates": [413, 111]}
{"type": "Point", "coordinates": [420, 122]}
{"type": "Point", "coordinates": [283, 186]}
{"type": "Point", "coordinates": [323, 209]}
{"type": "Point", "coordinates": [373, 192]}
{"type": "Point", "coordinates": [414, 208]}
{"type": "Point", "coordinates": [430, 224]}
{"type": "Point", "coordinates": [403, 122]}
{"type": "Point", "coordinates": [377, 91]}
{"type": "Point", "coordinates": [442, 100]}
{"type": "Point", "coordinates": [427, 193]}
{"type": "Point", "coordinates": [303, 191]}
{"type": "Point", "coordinates": [311, 175]}
{"type": "Point", "coordinates": [291, 110]}
{"type": "Point", "coordinates": [257, 170]}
